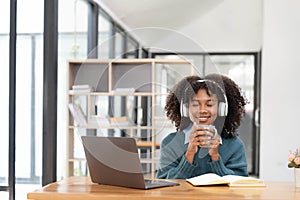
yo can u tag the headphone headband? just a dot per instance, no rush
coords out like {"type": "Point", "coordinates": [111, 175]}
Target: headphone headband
{"type": "Point", "coordinates": [222, 107]}
{"type": "Point", "coordinates": [215, 83]}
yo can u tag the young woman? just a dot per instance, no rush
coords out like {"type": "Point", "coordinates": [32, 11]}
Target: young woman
{"type": "Point", "coordinates": [215, 100]}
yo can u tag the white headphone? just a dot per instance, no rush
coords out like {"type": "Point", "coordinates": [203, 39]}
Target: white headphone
{"type": "Point", "coordinates": [222, 107]}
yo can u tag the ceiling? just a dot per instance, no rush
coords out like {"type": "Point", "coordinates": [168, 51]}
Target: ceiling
{"type": "Point", "coordinates": [190, 25]}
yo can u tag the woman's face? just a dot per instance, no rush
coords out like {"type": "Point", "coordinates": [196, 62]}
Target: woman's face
{"type": "Point", "coordinates": [203, 108]}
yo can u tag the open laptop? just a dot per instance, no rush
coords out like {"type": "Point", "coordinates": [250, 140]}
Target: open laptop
{"type": "Point", "coordinates": [115, 161]}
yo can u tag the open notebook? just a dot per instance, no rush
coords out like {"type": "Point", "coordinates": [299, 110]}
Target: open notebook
{"type": "Point", "coordinates": [115, 161]}
{"type": "Point", "coordinates": [230, 180]}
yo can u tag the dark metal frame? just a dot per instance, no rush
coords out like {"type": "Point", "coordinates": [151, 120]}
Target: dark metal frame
{"type": "Point", "coordinates": [256, 117]}
{"type": "Point", "coordinates": [12, 99]}
{"type": "Point", "coordinates": [145, 53]}
{"type": "Point", "coordinates": [124, 44]}
{"type": "Point", "coordinates": [50, 91]}
{"type": "Point", "coordinates": [92, 30]}
{"type": "Point", "coordinates": [112, 41]}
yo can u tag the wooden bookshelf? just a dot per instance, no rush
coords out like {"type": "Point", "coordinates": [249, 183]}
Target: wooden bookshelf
{"type": "Point", "coordinates": [131, 88]}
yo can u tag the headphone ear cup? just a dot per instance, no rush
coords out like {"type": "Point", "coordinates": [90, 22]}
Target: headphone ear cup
{"type": "Point", "coordinates": [184, 109]}
{"type": "Point", "coordinates": [223, 109]}
{"type": "Point", "coordinates": [226, 109]}
{"type": "Point", "coordinates": [185, 112]}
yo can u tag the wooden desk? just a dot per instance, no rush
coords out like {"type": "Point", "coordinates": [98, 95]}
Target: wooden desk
{"type": "Point", "coordinates": [76, 188]}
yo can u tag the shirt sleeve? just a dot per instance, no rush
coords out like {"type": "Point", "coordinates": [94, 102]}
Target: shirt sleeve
{"type": "Point", "coordinates": [173, 163]}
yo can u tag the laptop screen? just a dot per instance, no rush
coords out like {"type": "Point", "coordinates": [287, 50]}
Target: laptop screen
{"type": "Point", "coordinates": [113, 161]}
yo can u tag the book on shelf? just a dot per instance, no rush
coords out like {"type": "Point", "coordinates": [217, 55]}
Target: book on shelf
{"type": "Point", "coordinates": [77, 114]}
{"type": "Point", "coordinates": [123, 91]}
{"type": "Point", "coordinates": [119, 121]}
{"type": "Point", "coordinates": [230, 180]}
{"type": "Point", "coordinates": [81, 89]}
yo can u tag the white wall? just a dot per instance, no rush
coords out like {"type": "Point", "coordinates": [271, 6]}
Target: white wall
{"type": "Point", "coordinates": [228, 26]}
{"type": "Point", "coordinates": [280, 92]}
{"type": "Point", "coordinates": [194, 25]}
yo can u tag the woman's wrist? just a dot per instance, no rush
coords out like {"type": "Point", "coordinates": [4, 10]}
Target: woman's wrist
{"type": "Point", "coordinates": [189, 156]}
{"type": "Point", "coordinates": [214, 157]}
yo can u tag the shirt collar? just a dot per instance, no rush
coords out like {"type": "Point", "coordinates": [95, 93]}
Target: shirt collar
{"type": "Point", "coordinates": [187, 132]}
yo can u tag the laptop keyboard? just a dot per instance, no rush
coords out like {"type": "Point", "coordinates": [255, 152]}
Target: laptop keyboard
{"type": "Point", "coordinates": [157, 183]}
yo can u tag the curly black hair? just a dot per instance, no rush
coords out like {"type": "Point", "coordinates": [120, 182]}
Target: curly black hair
{"type": "Point", "coordinates": [236, 102]}
{"type": "Point", "coordinates": [185, 89]}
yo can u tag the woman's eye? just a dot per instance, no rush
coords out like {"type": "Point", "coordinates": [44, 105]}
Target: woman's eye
{"type": "Point", "coordinates": [210, 104]}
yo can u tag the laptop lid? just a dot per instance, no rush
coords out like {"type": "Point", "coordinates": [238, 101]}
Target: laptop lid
{"type": "Point", "coordinates": [115, 161]}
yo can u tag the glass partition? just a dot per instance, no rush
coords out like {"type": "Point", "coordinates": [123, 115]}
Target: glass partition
{"type": "Point", "coordinates": [103, 36]}
{"type": "Point", "coordinates": [4, 100]}
{"type": "Point", "coordinates": [240, 68]}
{"type": "Point", "coordinates": [72, 44]}
{"type": "Point", "coordinates": [119, 38]}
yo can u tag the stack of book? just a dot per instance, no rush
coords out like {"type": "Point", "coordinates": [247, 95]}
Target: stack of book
{"type": "Point", "coordinates": [81, 89]}
{"type": "Point", "coordinates": [119, 121]}
{"type": "Point", "coordinates": [123, 91]}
